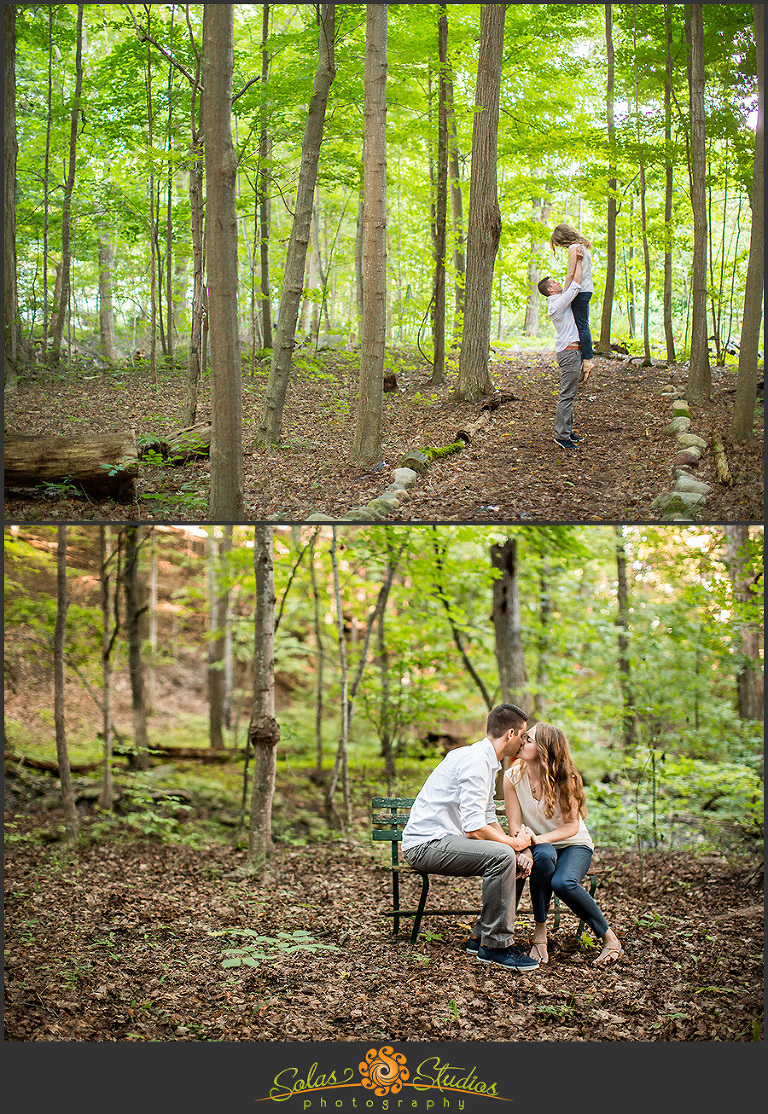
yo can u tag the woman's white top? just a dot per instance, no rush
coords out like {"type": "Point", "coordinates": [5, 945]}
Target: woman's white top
{"type": "Point", "coordinates": [534, 816]}
{"type": "Point", "coordinates": [586, 271]}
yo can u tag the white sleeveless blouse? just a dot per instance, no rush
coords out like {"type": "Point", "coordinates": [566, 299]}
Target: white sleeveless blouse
{"type": "Point", "coordinates": [536, 820]}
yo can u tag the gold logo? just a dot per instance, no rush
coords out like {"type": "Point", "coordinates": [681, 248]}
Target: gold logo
{"type": "Point", "coordinates": [384, 1072]}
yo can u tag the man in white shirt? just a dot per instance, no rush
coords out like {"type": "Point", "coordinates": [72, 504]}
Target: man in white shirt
{"type": "Point", "coordinates": [567, 350]}
{"type": "Point", "coordinates": [452, 829]}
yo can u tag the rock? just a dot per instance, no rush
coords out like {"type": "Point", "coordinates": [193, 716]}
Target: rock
{"type": "Point", "coordinates": [677, 425]}
{"type": "Point", "coordinates": [676, 502]}
{"type": "Point", "coordinates": [395, 494]}
{"type": "Point", "coordinates": [690, 483]}
{"type": "Point", "coordinates": [688, 440]}
{"type": "Point", "coordinates": [690, 457]}
{"type": "Point", "coordinates": [381, 507]}
{"type": "Point", "coordinates": [404, 477]}
{"type": "Point", "coordinates": [417, 461]}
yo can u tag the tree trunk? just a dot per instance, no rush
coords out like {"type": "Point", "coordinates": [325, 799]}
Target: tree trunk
{"type": "Point", "coordinates": [106, 309]}
{"type": "Point", "coordinates": [366, 446]}
{"type": "Point", "coordinates": [265, 148]}
{"type": "Point", "coordinates": [66, 209]}
{"type": "Point", "coordinates": [457, 216]}
{"type": "Point", "coordinates": [441, 207]}
{"type": "Point", "coordinates": [507, 624]}
{"type": "Point", "coordinates": [152, 213]}
{"type": "Point", "coordinates": [62, 754]}
{"type": "Point", "coordinates": [603, 346]}
{"type": "Point", "coordinates": [263, 730]}
{"type": "Point", "coordinates": [106, 797]}
{"type": "Point", "coordinates": [742, 425]}
{"type": "Point", "coordinates": [226, 495]}
{"type": "Point", "coordinates": [10, 152]}
{"type": "Point", "coordinates": [484, 223]}
{"type": "Point", "coordinates": [749, 674]}
{"type": "Point", "coordinates": [140, 759]}
{"type": "Point", "coordinates": [216, 606]}
{"type": "Point", "coordinates": [317, 626]}
{"type": "Point", "coordinates": [271, 424]}
{"type": "Point", "coordinates": [629, 732]}
{"type": "Point", "coordinates": [699, 386]}
{"type": "Point", "coordinates": [668, 190]}
{"type": "Point", "coordinates": [197, 222]}
{"type": "Point", "coordinates": [540, 217]}
{"type": "Point", "coordinates": [643, 213]}
{"type": "Point", "coordinates": [541, 702]}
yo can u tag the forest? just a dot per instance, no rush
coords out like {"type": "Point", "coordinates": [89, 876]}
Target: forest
{"type": "Point", "coordinates": [196, 720]}
{"type": "Point", "coordinates": [254, 252]}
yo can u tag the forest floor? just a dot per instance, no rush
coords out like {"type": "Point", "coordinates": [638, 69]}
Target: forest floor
{"type": "Point", "coordinates": [129, 942]}
{"type": "Point", "coordinates": [512, 471]}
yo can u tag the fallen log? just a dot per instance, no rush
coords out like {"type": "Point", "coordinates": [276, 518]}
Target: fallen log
{"type": "Point", "coordinates": [103, 465]}
{"type": "Point", "coordinates": [468, 433]}
{"type": "Point", "coordinates": [190, 443]}
{"type": "Point", "coordinates": [201, 754]}
{"type": "Point", "coordinates": [721, 461]}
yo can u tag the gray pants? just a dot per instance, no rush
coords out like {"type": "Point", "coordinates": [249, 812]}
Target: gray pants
{"type": "Point", "coordinates": [495, 862]}
{"type": "Point", "coordinates": [569, 361]}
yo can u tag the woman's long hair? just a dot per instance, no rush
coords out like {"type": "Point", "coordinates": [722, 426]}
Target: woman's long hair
{"type": "Point", "coordinates": [560, 779]}
{"type": "Point", "coordinates": [563, 235]}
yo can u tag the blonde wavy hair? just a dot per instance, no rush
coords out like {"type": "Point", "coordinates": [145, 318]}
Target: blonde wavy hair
{"type": "Point", "coordinates": [563, 235]}
{"type": "Point", "coordinates": [560, 779]}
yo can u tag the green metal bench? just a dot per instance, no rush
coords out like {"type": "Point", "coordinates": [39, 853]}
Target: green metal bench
{"type": "Point", "coordinates": [389, 817]}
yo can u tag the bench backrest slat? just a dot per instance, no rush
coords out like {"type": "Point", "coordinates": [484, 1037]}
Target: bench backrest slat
{"type": "Point", "coordinates": [389, 825]}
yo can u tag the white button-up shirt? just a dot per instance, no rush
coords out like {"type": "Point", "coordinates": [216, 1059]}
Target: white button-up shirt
{"type": "Point", "coordinates": [559, 309]}
{"type": "Point", "coordinates": [457, 797]}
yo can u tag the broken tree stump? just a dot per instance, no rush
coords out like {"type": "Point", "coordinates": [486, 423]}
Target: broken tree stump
{"type": "Point", "coordinates": [721, 461]}
{"type": "Point", "coordinates": [190, 443]}
{"type": "Point", "coordinates": [104, 465]}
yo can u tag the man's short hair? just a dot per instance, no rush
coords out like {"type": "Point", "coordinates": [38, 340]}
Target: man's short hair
{"type": "Point", "coordinates": [502, 717]}
{"type": "Point", "coordinates": [543, 285]}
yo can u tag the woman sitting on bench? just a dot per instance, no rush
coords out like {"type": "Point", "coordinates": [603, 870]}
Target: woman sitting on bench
{"type": "Point", "coordinates": [543, 790]}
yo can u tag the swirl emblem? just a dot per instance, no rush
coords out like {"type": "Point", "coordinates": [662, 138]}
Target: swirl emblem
{"type": "Point", "coordinates": [384, 1072]}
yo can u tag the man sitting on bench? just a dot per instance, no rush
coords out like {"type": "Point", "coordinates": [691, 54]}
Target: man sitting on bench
{"type": "Point", "coordinates": [452, 829]}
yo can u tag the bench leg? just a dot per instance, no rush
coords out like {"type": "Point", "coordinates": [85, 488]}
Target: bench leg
{"type": "Point", "coordinates": [395, 901]}
{"type": "Point", "coordinates": [421, 906]}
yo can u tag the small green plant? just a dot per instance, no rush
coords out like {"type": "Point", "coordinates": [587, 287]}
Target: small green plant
{"type": "Point", "coordinates": [267, 947]}
{"type": "Point", "coordinates": [64, 487]}
{"type": "Point", "coordinates": [558, 1013]}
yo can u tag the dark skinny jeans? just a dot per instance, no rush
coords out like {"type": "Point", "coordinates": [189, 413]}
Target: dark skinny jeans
{"type": "Point", "coordinates": [580, 307]}
{"type": "Point", "coordinates": [560, 870]}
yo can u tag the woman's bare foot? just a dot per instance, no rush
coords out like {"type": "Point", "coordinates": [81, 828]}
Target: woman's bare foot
{"type": "Point", "coordinates": [612, 951]}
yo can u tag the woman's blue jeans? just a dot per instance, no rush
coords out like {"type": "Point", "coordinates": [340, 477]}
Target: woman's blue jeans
{"type": "Point", "coordinates": [560, 870]}
{"type": "Point", "coordinates": [580, 307]}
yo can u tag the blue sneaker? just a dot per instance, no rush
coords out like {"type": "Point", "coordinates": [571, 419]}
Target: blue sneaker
{"type": "Point", "coordinates": [472, 945]}
{"type": "Point", "coordinates": [508, 957]}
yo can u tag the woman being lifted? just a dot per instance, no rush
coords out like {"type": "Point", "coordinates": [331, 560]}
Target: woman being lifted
{"type": "Point", "coordinates": [565, 236]}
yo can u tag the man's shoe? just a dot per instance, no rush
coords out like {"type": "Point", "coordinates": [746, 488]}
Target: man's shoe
{"type": "Point", "coordinates": [472, 944]}
{"type": "Point", "coordinates": [576, 438]}
{"type": "Point", "coordinates": [564, 443]}
{"type": "Point", "coordinates": [512, 957]}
